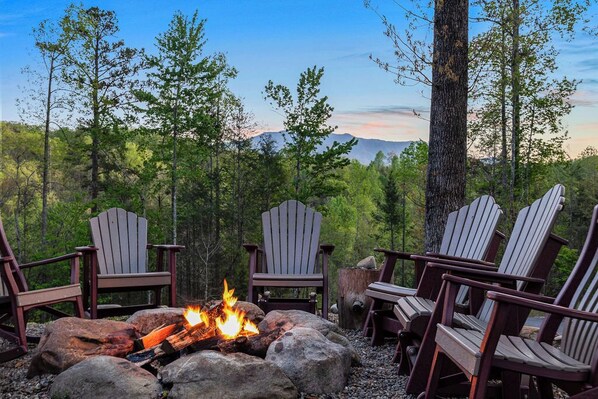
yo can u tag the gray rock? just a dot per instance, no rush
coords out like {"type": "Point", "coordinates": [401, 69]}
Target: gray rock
{"type": "Point", "coordinates": [334, 308]}
{"type": "Point", "coordinates": [149, 319]}
{"type": "Point", "coordinates": [344, 341]}
{"type": "Point", "coordinates": [213, 375]}
{"type": "Point", "coordinates": [367, 263]}
{"type": "Point", "coordinates": [287, 319]}
{"type": "Point", "coordinates": [106, 377]}
{"type": "Point", "coordinates": [70, 340]}
{"type": "Point", "coordinates": [315, 364]}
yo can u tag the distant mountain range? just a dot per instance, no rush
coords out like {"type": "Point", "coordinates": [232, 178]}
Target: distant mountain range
{"type": "Point", "coordinates": [364, 151]}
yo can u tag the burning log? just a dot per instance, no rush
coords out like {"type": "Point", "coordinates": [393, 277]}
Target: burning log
{"type": "Point", "coordinates": [187, 337]}
{"type": "Point", "coordinates": [156, 336]}
{"type": "Point", "coordinates": [255, 345]}
{"type": "Point", "coordinates": [191, 335]}
{"type": "Point", "coordinates": [146, 356]}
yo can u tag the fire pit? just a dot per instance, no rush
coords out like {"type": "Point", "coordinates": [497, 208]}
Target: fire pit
{"type": "Point", "coordinates": [220, 327]}
{"type": "Point", "coordinates": [287, 352]}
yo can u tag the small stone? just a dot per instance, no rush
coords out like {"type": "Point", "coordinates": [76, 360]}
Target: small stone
{"type": "Point", "coordinates": [367, 263]}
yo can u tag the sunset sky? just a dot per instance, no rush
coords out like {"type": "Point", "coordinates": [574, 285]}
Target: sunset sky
{"type": "Point", "coordinates": [277, 40]}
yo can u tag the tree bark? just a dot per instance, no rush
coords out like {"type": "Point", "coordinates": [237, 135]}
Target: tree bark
{"type": "Point", "coordinates": [447, 156]}
{"type": "Point", "coordinates": [352, 302]}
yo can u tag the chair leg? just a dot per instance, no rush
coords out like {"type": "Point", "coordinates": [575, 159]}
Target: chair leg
{"type": "Point", "coordinates": [479, 382]}
{"type": "Point", "coordinates": [325, 304]}
{"type": "Point", "coordinates": [405, 340]}
{"type": "Point", "coordinates": [511, 384]}
{"type": "Point", "coordinates": [79, 310]}
{"type": "Point", "coordinates": [172, 294]}
{"type": "Point", "coordinates": [158, 297]}
{"type": "Point", "coordinates": [21, 328]}
{"type": "Point", "coordinates": [377, 330]}
{"type": "Point", "coordinates": [93, 309]}
{"type": "Point", "coordinates": [368, 323]}
{"type": "Point", "coordinates": [434, 377]}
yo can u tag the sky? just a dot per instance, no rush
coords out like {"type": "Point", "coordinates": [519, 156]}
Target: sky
{"type": "Point", "coordinates": [277, 40]}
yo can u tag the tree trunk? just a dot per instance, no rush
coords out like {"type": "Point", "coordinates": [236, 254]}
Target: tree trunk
{"type": "Point", "coordinates": [46, 165]}
{"type": "Point", "coordinates": [503, 114]}
{"type": "Point", "coordinates": [95, 130]}
{"type": "Point", "coordinates": [447, 156]}
{"type": "Point", "coordinates": [516, 104]}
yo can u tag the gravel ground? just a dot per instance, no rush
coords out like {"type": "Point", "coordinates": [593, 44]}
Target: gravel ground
{"type": "Point", "coordinates": [376, 378]}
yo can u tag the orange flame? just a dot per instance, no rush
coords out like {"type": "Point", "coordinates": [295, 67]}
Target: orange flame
{"type": "Point", "coordinates": [234, 322]}
{"type": "Point", "coordinates": [231, 324]}
{"type": "Point", "coordinates": [194, 316]}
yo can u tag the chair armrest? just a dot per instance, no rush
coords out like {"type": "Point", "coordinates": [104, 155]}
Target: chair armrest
{"type": "Point", "coordinates": [327, 248]}
{"type": "Point", "coordinates": [543, 307]}
{"type": "Point", "coordinates": [460, 262]}
{"type": "Point", "coordinates": [51, 260]}
{"type": "Point", "coordinates": [89, 248]}
{"type": "Point", "coordinates": [459, 259]}
{"type": "Point", "coordinates": [490, 287]}
{"type": "Point", "coordinates": [166, 247]}
{"type": "Point", "coordinates": [485, 275]}
{"type": "Point", "coordinates": [390, 252]}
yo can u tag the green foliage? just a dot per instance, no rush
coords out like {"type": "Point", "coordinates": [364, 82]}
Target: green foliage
{"type": "Point", "coordinates": [306, 127]}
{"type": "Point", "coordinates": [188, 140]}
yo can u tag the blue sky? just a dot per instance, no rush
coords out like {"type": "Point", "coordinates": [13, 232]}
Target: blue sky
{"type": "Point", "coordinates": [278, 39]}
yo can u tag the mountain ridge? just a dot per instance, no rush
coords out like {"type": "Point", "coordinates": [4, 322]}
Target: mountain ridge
{"type": "Point", "coordinates": [364, 151]}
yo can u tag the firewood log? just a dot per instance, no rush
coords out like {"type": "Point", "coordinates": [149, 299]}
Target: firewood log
{"type": "Point", "coordinates": [255, 345]}
{"type": "Point", "coordinates": [156, 336]}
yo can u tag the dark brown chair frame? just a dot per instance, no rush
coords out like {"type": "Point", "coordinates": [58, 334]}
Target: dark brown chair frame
{"type": "Point", "coordinates": [469, 236]}
{"type": "Point", "coordinates": [580, 383]}
{"type": "Point", "coordinates": [20, 299]}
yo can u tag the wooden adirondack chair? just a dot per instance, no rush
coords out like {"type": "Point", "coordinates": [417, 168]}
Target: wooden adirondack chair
{"type": "Point", "coordinates": [527, 260]}
{"type": "Point", "coordinates": [117, 262]}
{"type": "Point", "coordinates": [16, 299]}
{"type": "Point", "coordinates": [498, 354]}
{"type": "Point", "coordinates": [290, 254]}
{"type": "Point", "coordinates": [470, 234]}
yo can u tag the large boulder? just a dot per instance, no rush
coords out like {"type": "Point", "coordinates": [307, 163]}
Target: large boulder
{"type": "Point", "coordinates": [149, 319]}
{"type": "Point", "coordinates": [212, 375]}
{"type": "Point", "coordinates": [315, 364]}
{"type": "Point", "coordinates": [289, 319]}
{"type": "Point", "coordinates": [105, 377]}
{"type": "Point", "coordinates": [70, 340]}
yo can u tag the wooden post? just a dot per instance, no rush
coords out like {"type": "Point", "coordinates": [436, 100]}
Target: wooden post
{"type": "Point", "coordinates": [352, 302]}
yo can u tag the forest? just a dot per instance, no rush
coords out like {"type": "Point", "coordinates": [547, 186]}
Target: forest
{"type": "Point", "coordinates": [161, 134]}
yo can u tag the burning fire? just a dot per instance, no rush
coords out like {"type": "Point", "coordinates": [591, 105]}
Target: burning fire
{"type": "Point", "coordinates": [231, 324]}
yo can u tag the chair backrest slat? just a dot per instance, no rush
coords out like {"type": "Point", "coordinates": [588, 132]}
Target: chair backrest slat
{"type": "Point", "coordinates": [121, 238]}
{"type": "Point", "coordinates": [469, 230]}
{"type": "Point", "coordinates": [529, 236]}
{"type": "Point", "coordinates": [283, 218]}
{"type": "Point", "coordinates": [299, 229]}
{"type": "Point", "coordinates": [123, 241]}
{"type": "Point", "coordinates": [291, 238]}
{"type": "Point", "coordinates": [580, 338]}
